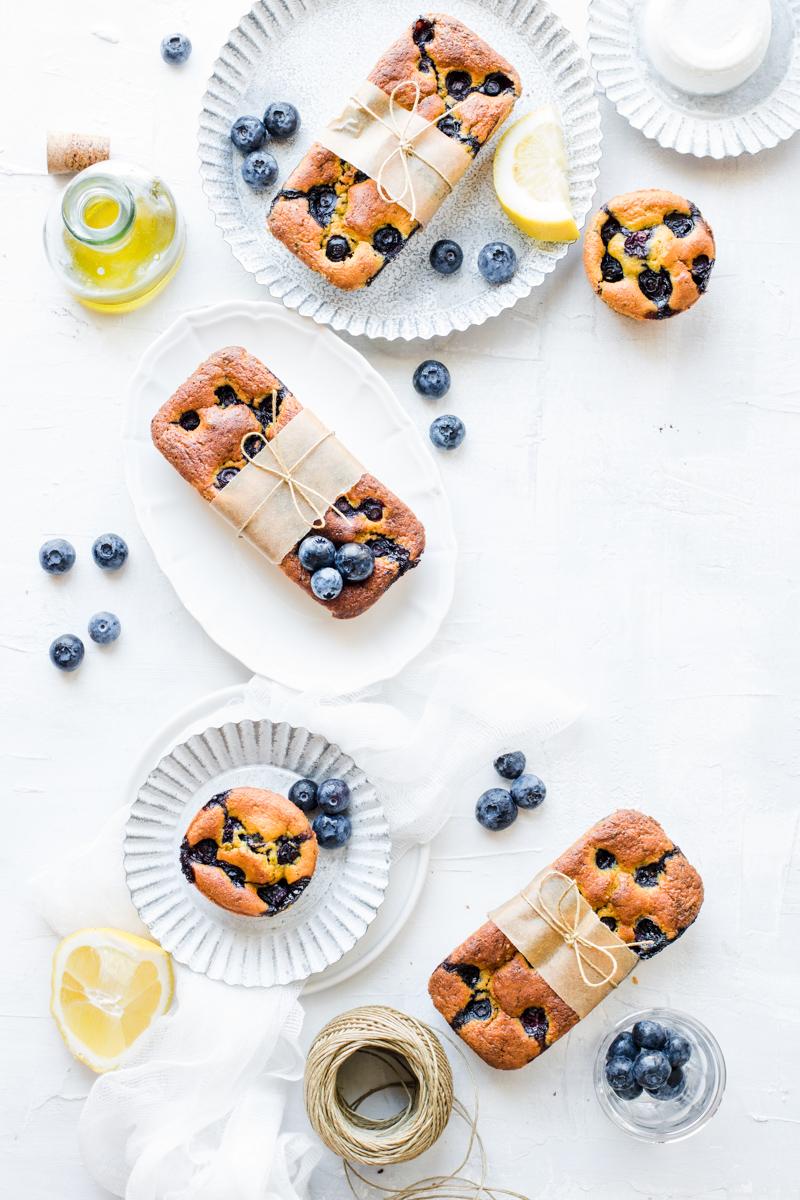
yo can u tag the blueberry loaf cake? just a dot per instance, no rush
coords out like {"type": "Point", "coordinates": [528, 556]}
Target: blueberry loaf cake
{"type": "Point", "coordinates": [333, 216]}
{"type": "Point", "coordinates": [250, 851]}
{"type": "Point", "coordinates": [649, 254]}
{"type": "Point", "coordinates": [203, 431]}
{"type": "Point", "coordinates": [639, 884]}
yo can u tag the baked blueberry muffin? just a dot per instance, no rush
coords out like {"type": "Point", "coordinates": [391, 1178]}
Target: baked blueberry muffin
{"type": "Point", "coordinates": [250, 851]}
{"type": "Point", "coordinates": [199, 430]}
{"type": "Point", "coordinates": [649, 254]}
{"type": "Point", "coordinates": [330, 214]}
{"type": "Point", "coordinates": [639, 884]}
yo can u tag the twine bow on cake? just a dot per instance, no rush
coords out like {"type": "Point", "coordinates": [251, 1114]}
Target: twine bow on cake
{"type": "Point", "coordinates": [398, 123]}
{"type": "Point", "coordinates": [567, 925]}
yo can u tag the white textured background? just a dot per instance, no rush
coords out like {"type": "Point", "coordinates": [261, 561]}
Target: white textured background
{"type": "Point", "coordinates": [626, 503]}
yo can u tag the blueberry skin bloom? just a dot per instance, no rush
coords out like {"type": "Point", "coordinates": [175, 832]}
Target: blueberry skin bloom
{"type": "Point", "coordinates": [623, 1046]}
{"type": "Point", "coordinates": [447, 432]}
{"type": "Point", "coordinates": [673, 1086]}
{"type": "Point", "coordinates": [497, 262]}
{"type": "Point", "coordinates": [303, 793]}
{"type": "Point", "coordinates": [316, 552]}
{"type": "Point", "coordinates": [282, 120]}
{"type": "Point", "coordinates": [432, 379]}
{"type": "Point", "coordinates": [110, 551]}
{"type": "Point", "coordinates": [259, 169]}
{"type": "Point", "coordinates": [496, 810]}
{"type": "Point", "coordinates": [57, 556]}
{"type": "Point", "coordinates": [334, 796]}
{"type": "Point", "coordinates": [326, 584]}
{"type": "Point", "coordinates": [528, 791]}
{"type": "Point", "coordinates": [446, 256]}
{"type": "Point", "coordinates": [619, 1074]}
{"type": "Point", "coordinates": [175, 49]}
{"type": "Point", "coordinates": [650, 1035]}
{"type": "Point", "coordinates": [510, 766]}
{"type": "Point", "coordinates": [651, 1069]}
{"type": "Point", "coordinates": [332, 830]}
{"type": "Point", "coordinates": [104, 628]}
{"type": "Point", "coordinates": [355, 562]}
{"type": "Point", "coordinates": [678, 1049]}
{"type": "Point", "coordinates": [247, 133]}
{"type": "Point", "coordinates": [66, 652]}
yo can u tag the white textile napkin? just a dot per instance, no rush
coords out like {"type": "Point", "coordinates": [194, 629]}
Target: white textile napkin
{"type": "Point", "coordinates": [196, 1111]}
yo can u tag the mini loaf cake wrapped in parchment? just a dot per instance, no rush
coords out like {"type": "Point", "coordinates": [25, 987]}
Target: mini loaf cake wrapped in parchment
{"type": "Point", "coordinates": [547, 957]}
{"type": "Point", "coordinates": [405, 137]}
{"type": "Point", "coordinates": [276, 474]}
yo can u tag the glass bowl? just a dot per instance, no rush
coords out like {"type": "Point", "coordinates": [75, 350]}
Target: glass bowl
{"type": "Point", "coordinates": [653, 1120]}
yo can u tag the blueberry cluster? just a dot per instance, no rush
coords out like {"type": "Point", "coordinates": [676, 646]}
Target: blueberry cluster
{"type": "Point", "coordinates": [648, 1058]}
{"type": "Point", "coordinates": [248, 134]}
{"type": "Point", "coordinates": [332, 826]}
{"type": "Point", "coordinates": [497, 261]}
{"type": "Point", "coordinates": [498, 808]}
{"type": "Point", "coordinates": [432, 380]}
{"type": "Point", "coordinates": [57, 557]}
{"type": "Point", "coordinates": [331, 566]}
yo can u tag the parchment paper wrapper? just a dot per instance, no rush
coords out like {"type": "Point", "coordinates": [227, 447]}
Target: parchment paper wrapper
{"type": "Point", "coordinates": [548, 952]}
{"type": "Point", "coordinates": [358, 138]}
{"type": "Point", "coordinates": [69, 152]}
{"type": "Point", "coordinates": [260, 505]}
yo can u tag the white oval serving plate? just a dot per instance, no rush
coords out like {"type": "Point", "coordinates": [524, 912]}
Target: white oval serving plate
{"type": "Point", "coordinates": [220, 579]}
{"type": "Point", "coordinates": [312, 52]}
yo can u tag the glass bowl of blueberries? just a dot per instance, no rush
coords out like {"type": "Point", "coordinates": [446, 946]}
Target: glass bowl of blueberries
{"type": "Point", "coordinates": [659, 1075]}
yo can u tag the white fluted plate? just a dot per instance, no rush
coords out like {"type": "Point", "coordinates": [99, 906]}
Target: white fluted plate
{"type": "Point", "coordinates": [757, 115]}
{"type": "Point", "coordinates": [312, 53]}
{"type": "Point", "coordinates": [330, 916]}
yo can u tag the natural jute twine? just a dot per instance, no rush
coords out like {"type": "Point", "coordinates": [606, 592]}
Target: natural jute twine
{"type": "Point", "coordinates": [413, 1051]}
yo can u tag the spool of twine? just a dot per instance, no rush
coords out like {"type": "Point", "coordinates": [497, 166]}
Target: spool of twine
{"type": "Point", "coordinates": [415, 1056]}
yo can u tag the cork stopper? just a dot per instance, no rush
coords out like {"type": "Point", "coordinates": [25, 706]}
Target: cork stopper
{"type": "Point", "coordinates": [68, 152]}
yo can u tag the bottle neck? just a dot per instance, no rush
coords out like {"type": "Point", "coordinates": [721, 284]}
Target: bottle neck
{"type": "Point", "coordinates": [98, 211]}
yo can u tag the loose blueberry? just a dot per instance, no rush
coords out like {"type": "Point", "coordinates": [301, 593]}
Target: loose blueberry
{"type": "Point", "coordinates": [446, 256]}
{"type": "Point", "coordinates": [303, 793]}
{"type": "Point", "coordinates": [176, 48]}
{"type": "Point", "coordinates": [649, 1035]}
{"type": "Point", "coordinates": [619, 1074]}
{"type": "Point", "coordinates": [316, 552]}
{"type": "Point", "coordinates": [110, 551]}
{"type": "Point", "coordinates": [672, 1087]}
{"type": "Point", "coordinates": [259, 169]}
{"type": "Point", "coordinates": [327, 583]}
{"type": "Point", "coordinates": [528, 791]}
{"type": "Point", "coordinates": [497, 262]}
{"type": "Point", "coordinates": [66, 652]}
{"type": "Point", "coordinates": [337, 248]}
{"type": "Point", "coordinates": [495, 809]}
{"type": "Point", "coordinates": [447, 432]}
{"type": "Point", "coordinates": [510, 766]}
{"type": "Point", "coordinates": [57, 556]}
{"type": "Point", "coordinates": [333, 796]}
{"type": "Point", "coordinates": [332, 830]}
{"type": "Point", "coordinates": [247, 133]}
{"type": "Point", "coordinates": [282, 120]}
{"type": "Point", "coordinates": [651, 1069]}
{"type": "Point", "coordinates": [104, 628]}
{"type": "Point", "coordinates": [432, 379]}
{"type": "Point", "coordinates": [623, 1046]}
{"type": "Point", "coordinates": [387, 240]}
{"type": "Point", "coordinates": [355, 562]}
{"type": "Point", "coordinates": [678, 1049]}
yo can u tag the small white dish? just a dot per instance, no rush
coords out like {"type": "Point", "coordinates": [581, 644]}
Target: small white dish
{"type": "Point", "coordinates": [218, 577]}
{"type": "Point", "coordinates": [758, 114]}
{"type": "Point", "coordinates": [330, 916]}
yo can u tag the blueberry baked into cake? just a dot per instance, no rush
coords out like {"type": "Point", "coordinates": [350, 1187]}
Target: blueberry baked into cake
{"type": "Point", "coordinates": [640, 885]}
{"type": "Point", "coordinates": [250, 851]}
{"type": "Point", "coordinates": [333, 216]}
{"type": "Point", "coordinates": [200, 431]}
{"type": "Point", "coordinates": [649, 254]}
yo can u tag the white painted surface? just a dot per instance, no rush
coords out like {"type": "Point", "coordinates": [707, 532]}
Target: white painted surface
{"type": "Point", "coordinates": [626, 504]}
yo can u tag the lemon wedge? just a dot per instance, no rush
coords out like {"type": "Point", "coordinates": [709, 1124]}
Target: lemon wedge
{"type": "Point", "coordinates": [530, 177]}
{"type": "Point", "coordinates": [108, 987]}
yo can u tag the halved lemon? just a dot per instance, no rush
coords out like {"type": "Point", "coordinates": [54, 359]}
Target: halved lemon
{"type": "Point", "coordinates": [530, 177]}
{"type": "Point", "coordinates": [108, 987]}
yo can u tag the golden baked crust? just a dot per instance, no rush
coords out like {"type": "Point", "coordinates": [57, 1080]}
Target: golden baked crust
{"type": "Point", "coordinates": [649, 254]}
{"type": "Point", "coordinates": [327, 198]}
{"type": "Point", "coordinates": [250, 851]}
{"type": "Point", "coordinates": [199, 431]}
{"type": "Point", "coordinates": [639, 884]}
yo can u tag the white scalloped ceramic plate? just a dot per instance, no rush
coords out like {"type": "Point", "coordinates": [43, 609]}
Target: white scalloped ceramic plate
{"type": "Point", "coordinates": [220, 578]}
{"type": "Point", "coordinates": [330, 916]}
{"type": "Point", "coordinates": [756, 116]}
{"type": "Point", "coordinates": [311, 52]}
